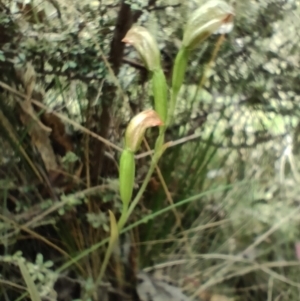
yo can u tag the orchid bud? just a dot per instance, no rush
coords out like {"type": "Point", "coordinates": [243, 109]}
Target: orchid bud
{"type": "Point", "coordinates": [206, 20]}
{"type": "Point", "coordinates": [136, 129]}
{"type": "Point", "coordinates": [145, 44]}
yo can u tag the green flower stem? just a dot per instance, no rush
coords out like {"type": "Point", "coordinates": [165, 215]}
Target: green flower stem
{"type": "Point", "coordinates": [179, 69]}
{"type": "Point", "coordinates": [124, 217]}
{"type": "Point", "coordinates": [113, 239]}
{"type": "Point", "coordinates": [160, 139]}
{"type": "Point", "coordinates": [160, 93]}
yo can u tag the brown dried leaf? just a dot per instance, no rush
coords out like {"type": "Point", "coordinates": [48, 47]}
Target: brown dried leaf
{"type": "Point", "coordinates": [61, 141]}
{"type": "Point", "coordinates": [41, 141]}
{"type": "Point", "coordinates": [220, 298]}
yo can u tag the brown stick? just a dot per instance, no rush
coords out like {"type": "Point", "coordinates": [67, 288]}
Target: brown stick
{"type": "Point", "coordinates": [123, 24]}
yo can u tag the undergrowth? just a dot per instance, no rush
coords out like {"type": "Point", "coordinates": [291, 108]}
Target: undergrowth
{"type": "Point", "coordinates": [218, 212]}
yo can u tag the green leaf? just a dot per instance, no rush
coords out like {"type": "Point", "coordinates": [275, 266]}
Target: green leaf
{"type": "Point", "coordinates": [33, 292]}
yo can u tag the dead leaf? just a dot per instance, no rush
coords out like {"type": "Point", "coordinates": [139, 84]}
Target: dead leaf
{"type": "Point", "coordinates": [61, 141]}
{"type": "Point", "coordinates": [41, 141]}
{"type": "Point", "coordinates": [220, 298]}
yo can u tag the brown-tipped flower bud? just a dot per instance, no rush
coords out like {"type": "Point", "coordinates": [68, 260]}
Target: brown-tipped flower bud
{"type": "Point", "coordinates": [206, 20]}
{"type": "Point", "coordinates": [137, 126]}
{"type": "Point", "coordinates": [145, 44]}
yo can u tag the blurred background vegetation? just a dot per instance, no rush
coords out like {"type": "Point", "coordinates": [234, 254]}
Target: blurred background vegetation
{"type": "Point", "coordinates": [232, 169]}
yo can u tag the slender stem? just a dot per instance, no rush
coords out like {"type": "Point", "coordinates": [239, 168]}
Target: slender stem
{"type": "Point", "coordinates": [123, 218]}
{"type": "Point", "coordinates": [179, 69]}
{"type": "Point", "coordinates": [114, 235]}
{"type": "Point", "coordinates": [133, 204]}
{"type": "Point", "coordinates": [104, 264]}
